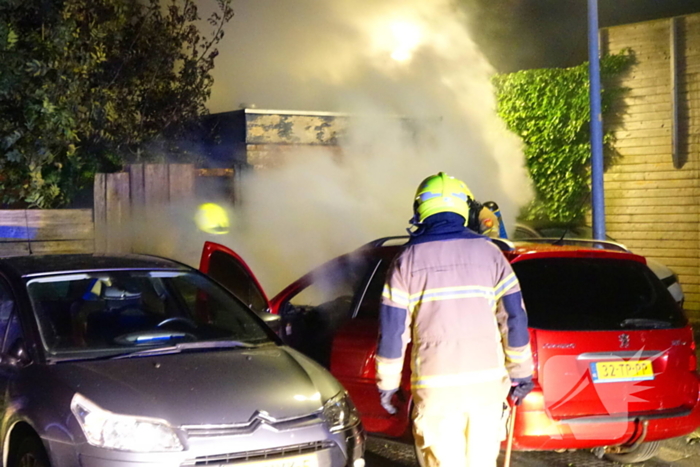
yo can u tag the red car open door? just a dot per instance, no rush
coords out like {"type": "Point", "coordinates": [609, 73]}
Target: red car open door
{"type": "Point", "coordinates": [227, 268]}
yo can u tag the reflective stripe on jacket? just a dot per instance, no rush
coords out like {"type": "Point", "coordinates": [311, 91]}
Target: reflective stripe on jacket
{"type": "Point", "coordinates": [459, 302]}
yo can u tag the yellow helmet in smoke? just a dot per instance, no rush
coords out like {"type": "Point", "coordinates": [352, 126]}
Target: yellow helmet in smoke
{"type": "Point", "coordinates": [212, 219]}
{"type": "Point", "coordinates": [442, 193]}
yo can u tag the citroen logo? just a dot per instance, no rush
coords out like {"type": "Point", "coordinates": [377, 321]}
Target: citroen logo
{"type": "Point", "coordinates": [624, 340]}
{"type": "Point", "coordinates": [261, 416]}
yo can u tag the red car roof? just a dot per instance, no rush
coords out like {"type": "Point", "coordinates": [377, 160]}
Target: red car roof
{"type": "Point", "coordinates": [516, 251]}
{"type": "Point", "coordinates": [546, 250]}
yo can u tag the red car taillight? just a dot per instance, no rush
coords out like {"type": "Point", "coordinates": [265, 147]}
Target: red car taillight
{"type": "Point", "coordinates": [693, 360]}
{"type": "Point", "coordinates": [533, 347]}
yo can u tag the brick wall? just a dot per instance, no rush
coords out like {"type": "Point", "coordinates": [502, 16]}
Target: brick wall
{"type": "Point", "coordinates": [652, 205]}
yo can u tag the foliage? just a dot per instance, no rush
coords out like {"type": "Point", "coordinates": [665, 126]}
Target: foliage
{"type": "Point", "coordinates": [87, 84]}
{"type": "Point", "coordinates": [549, 109]}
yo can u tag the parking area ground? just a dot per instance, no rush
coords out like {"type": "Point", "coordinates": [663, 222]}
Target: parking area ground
{"type": "Point", "coordinates": [677, 452]}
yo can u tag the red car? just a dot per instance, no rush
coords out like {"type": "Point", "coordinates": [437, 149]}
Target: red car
{"type": "Point", "coordinates": [615, 364]}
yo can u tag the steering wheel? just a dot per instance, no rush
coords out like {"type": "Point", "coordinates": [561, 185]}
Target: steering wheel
{"type": "Point", "coordinates": [178, 319]}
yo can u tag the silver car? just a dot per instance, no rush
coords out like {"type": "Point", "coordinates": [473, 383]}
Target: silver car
{"type": "Point", "coordinates": [114, 361]}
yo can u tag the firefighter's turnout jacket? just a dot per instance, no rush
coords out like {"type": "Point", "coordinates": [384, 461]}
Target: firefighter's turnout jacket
{"type": "Point", "coordinates": [453, 294]}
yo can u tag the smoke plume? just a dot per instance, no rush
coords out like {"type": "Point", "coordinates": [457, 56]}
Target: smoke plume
{"type": "Point", "coordinates": [376, 60]}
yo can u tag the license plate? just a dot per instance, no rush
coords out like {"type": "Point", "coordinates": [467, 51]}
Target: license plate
{"type": "Point", "coordinates": [613, 372]}
{"type": "Point", "coordinates": [306, 460]}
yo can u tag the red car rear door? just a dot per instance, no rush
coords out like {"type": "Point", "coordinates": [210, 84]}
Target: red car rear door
{"type": "Point", "coordinates": [353, 360]}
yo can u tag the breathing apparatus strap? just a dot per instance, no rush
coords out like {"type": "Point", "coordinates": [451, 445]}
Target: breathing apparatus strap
{"type": "Point", "coordinates": [475, 208]}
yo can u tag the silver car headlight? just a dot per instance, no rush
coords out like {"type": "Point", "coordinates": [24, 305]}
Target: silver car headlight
{"type": "Point", "coordinates": [105, 429]}
{"type": "Point", "coordinates": [339, 412]}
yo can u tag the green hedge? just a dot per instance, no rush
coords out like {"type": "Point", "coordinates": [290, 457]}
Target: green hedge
{"type": "Point", "coordinates": [549, 110]}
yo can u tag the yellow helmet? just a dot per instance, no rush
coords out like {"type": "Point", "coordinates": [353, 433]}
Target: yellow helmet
{"type": "Point", "coordinates": [442, 193]}
{"type": "Point", "coordinates": [212, 219]}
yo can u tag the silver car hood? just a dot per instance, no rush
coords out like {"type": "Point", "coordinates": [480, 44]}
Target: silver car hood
{"type": "Point", "coordinates": [204, 388]}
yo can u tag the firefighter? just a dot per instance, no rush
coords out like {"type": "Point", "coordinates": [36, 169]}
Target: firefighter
{"type": "Point", "coordinates": [455, 296]}
{"type": "Point", "coordinates": [500, 229]}
{"type": "Point", "coordinates": [482, 218]}
{"type": "Point", "coordinates": [488, 222]}
{"type": "Point", "coordinates": [212, 219]}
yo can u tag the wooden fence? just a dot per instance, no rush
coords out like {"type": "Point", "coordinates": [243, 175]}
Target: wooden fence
{"type": "Point", "coordinates": [124, 198]}
{"type": "Point", "coordinates": [42, 231]}
{"type": "Point", "coordinates": [118, 198]}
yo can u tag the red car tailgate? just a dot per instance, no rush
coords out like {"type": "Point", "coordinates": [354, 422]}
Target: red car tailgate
{"type": "Point", "coordinates": [597, 373]}
{"type": "Point", "coordinates": [609, 338]}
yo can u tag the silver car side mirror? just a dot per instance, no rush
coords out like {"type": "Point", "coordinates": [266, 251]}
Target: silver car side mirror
{"type": "Point", "coordinates": [273, 321]}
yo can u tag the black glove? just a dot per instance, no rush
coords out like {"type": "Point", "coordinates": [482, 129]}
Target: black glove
{"type": "Point", "coordinates": [385, 396]}
{"type": "Point", "coordinates": [521, 387]}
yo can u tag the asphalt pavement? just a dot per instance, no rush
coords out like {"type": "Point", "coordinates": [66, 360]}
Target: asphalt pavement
{"type": "Point", "coordinates": [677, 452]}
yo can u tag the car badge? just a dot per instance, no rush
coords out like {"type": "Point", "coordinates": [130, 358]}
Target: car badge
{"type": "Point", "coordinates": [567, 345]}
{"type": "Point", "coordinates": [624, 340]}
{"type": "Point", "coordinates": [261, 416]}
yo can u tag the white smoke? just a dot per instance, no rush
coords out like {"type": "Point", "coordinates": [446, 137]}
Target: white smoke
{"type": "Point", "coordinates": [373, 59]}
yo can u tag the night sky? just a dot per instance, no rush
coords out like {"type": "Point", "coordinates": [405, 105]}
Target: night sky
{"type": "Point", "coordinates": [522, 34]}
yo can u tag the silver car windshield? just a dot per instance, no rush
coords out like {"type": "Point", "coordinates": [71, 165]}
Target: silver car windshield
{"type": "Point", "coordinates": [116, 311]}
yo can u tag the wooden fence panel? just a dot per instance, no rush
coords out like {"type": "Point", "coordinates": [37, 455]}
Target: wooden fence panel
{"type": "Point", "coordinates": [62, 247]}
{"type": "Point", "coordinates": [100, 212]}
{"type": "Point", "coordinates": [59, 224]}
{"type": "Point", "coordinates": [118, 212]}
{"type": "Point", "coordinates": [136, 185]}
{"type": "Point", "coordinates": [112, 212]}
{"type": "Point", "coordinates": [14, 248]}
{"type": "Point", "coordinates": [155, 182]}
{"type": "Point", "coordinates": [180, 182]}
{"type": "Point", "coordinates": [46, 231]}
{"type": "Point", "coordinates": [14, 237]}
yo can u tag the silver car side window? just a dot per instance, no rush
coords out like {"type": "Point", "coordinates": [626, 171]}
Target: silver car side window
{"type": "Point", "coordinates": [13, 334]}
{"type": "Point", "coordinates": [7, 306]}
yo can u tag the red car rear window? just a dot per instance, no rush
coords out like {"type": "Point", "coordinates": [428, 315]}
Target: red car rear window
{"type": "Point", "coordinates": [595, 294]}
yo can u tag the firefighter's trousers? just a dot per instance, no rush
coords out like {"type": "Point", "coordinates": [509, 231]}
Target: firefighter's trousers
{"type": "Point", "coordinates": [460, 427]}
